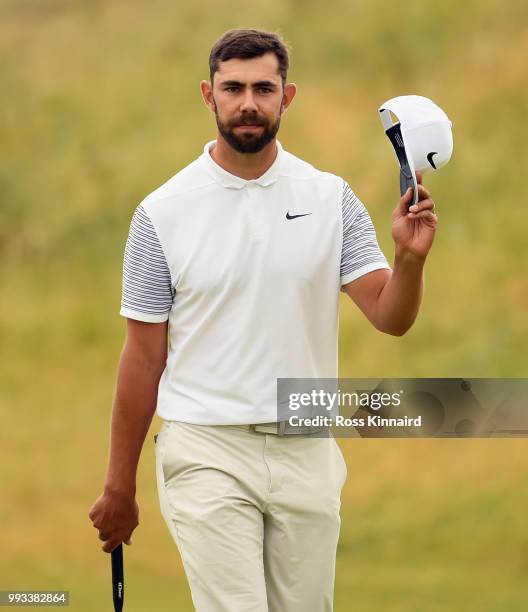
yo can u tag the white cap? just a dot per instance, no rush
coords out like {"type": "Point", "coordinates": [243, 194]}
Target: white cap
{"type": "Point", "coordinates": [425, 130]}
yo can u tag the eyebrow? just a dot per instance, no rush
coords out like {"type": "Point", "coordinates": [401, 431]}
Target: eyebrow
{"type": "Point", "coordinates": [232, 83]}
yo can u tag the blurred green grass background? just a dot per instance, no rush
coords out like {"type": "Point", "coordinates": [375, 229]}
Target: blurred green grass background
{"type": "Point", "coordinates": [100, 105]}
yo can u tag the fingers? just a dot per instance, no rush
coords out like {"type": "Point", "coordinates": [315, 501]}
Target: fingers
{"type": "Point", "coordinates": [424, 214]}
{"type": "Point", "coordinates": [422, 205]}
{"type": "Point", "coordinates": [405, 200]}
{"type": "Point", "coordinates": [113, 537]}
{"type": "Point", "coordinates": [423, 193]}
{"type": "Point", "coordinates": [111, 545]}
{"type": "Point", "coordinates": [115, 519]}
{"type": "Point", "coordinates": [418, 177]}
{"type": "Point", "coordinates": [111, 540]}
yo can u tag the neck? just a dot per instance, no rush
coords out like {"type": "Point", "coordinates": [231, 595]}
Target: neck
{"type": "Point", "coordinates": [248, 166]}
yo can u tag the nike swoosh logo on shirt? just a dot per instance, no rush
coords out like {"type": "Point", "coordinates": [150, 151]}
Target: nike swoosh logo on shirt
{"type": "Point", "coordinates": [288, 216]}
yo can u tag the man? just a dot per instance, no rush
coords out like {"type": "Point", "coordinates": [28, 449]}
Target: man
{"type": "Point", "coordinates": [238, 261]}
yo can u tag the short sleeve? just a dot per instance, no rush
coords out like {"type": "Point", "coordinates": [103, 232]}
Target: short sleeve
{"type": "Point", "coordinates": [147, 292]}
{"type": "Point", "coordinates": [360, 253]}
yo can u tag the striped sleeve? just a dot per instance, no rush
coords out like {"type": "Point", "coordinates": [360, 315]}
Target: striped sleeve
{"type": "Point", "coordinates": [147, 292]}
{"type": "Point", "coordinates": [360, 252]}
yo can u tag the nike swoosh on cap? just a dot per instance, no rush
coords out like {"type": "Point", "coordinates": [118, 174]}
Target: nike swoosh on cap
{"type": "Point", "coordinates": [430, 158]}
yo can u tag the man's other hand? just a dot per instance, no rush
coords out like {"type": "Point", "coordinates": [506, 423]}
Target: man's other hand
{"type": "Point", "coordinates": [115, 515]}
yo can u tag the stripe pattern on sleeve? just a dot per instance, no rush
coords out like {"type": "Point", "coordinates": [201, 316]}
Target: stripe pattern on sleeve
{"type": "Point", "coordinates": [147, 284]}
{"type": "Point", "coordinates": [360, 252]}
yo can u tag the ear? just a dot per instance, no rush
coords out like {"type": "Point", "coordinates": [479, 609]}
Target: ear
{"type": "Point", "coordinates": [290, 89]}
{"type": "Point", "coordinates": [207, 94]}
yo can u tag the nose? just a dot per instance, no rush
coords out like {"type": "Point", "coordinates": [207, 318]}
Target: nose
{"type": "Point", "coordinates": [248, 103]}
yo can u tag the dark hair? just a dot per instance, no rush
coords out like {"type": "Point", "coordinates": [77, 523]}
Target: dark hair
{"type": "Point", "coordinates": [246, 44]}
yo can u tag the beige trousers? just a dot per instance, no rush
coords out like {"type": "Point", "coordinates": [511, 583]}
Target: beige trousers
{"type": "Point", "coordinates": [255, 516]}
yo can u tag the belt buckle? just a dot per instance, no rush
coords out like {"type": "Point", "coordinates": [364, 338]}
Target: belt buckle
{"type": "Point", "coordinates": [253, 427]}
{"type": "Point", "coordinates": [278, 426]}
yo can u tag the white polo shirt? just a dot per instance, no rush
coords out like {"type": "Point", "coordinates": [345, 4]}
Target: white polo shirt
{"type": "Point", "coordinates": [248, 274]}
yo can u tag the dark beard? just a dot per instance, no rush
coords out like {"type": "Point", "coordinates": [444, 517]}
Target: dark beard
{"type": "Point", "coordinates": [248, 142]}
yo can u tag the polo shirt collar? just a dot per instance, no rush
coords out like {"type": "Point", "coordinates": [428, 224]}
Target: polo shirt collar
{"type": "Point", "coordinates": [231, 180]}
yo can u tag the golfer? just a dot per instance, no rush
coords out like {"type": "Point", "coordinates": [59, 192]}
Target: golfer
{"type": "Point", "coordinates": [232, 274]}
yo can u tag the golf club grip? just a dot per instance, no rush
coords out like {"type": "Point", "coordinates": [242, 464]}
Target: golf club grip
{"type": "Point", "coordinates": [118, 579]}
